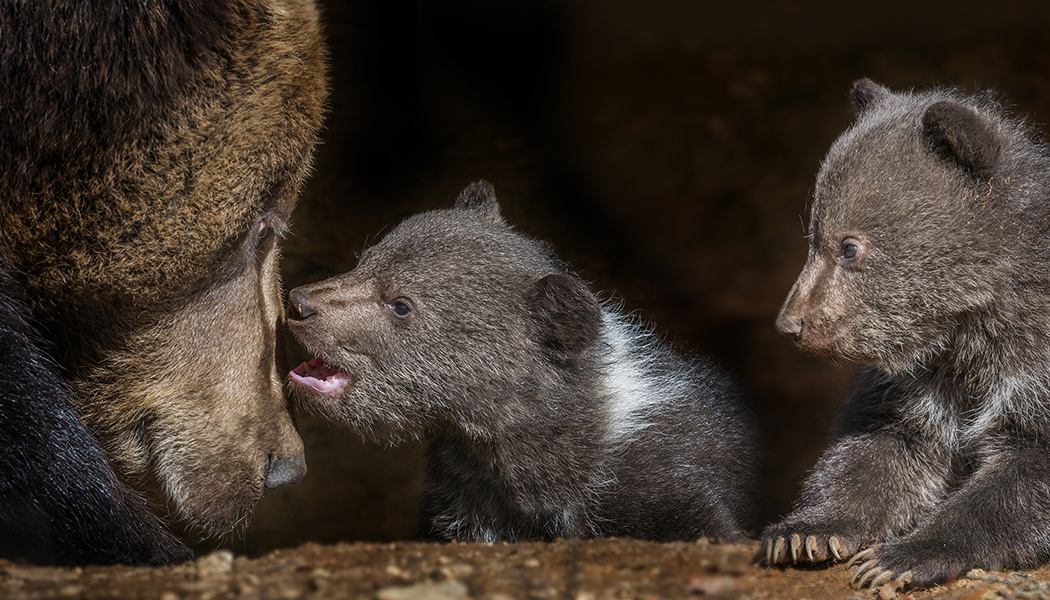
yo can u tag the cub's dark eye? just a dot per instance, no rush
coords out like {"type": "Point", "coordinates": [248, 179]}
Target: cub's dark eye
{"type": "Point", "coordinates": [851, 249]}
{"type": "Point", "coordinates": [402, 307]}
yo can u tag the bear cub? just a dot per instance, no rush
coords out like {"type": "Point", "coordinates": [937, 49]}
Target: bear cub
{"type": "Point", "coordinates": [929, 263]}
{"type": "Point", "coordinates": [546, 413]}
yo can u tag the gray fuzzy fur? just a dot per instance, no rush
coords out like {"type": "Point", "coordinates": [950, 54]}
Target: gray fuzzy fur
{"type": "Point", "coordinates": [942, 457]}
{"type": "Point", "coordinates": [547, 413]}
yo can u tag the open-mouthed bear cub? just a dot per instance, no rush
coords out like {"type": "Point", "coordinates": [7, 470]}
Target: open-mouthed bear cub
{"type": "Point", "coordinates": [546, 413]}
{"type": "Point", "coordinates": [929, 262]}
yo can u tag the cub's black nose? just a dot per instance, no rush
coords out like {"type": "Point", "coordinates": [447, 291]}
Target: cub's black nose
{"type": "Point", "coordinates": [299, 307]}
{"type": "Point", "coordinates": [789, 327]}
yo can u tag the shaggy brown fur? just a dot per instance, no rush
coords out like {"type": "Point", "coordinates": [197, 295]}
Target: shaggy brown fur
{"type": "Point", "coordinates": [151, 152]}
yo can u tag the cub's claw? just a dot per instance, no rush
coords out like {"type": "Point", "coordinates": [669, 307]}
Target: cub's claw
{"type": "Point", "coordinates": [871, 575]}
{"type": "Point", "coordinates": [811, 546]}
{"type": "Point", "coordinates": [799, 548]}
{"type": "Point", "coordinates": [867, 570]}
{"type": "Point", "coordinates": [882, 578]}
{"type": "Point", "coordinates": [863, 555]}
{"type": "Point", "coordinates": [836, 549]}
{"type": "Point", "coordinates": [773, 551]}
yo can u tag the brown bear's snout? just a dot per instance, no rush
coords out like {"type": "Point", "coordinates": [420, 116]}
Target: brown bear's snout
{"type": "Point", "coordinates": [286, 470]}
{"type": "Point", "coordinates": [299, 307]}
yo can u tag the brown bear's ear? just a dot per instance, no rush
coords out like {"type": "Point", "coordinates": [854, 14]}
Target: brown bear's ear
{"type": "Point", "coordinates": [958, 133]}
{"type": "Point", "coordinates": [480, 197]}
{"type": "Point", "coordinates": [865, 94]}
{"type": "Point", "coordinates": [566, 313]}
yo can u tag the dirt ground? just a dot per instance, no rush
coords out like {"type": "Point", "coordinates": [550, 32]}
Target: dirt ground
{"type": "Point", "coordinates": [570, 570]}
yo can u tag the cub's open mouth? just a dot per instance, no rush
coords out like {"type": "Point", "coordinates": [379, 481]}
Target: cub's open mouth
{"type": "Point", "coordinates": [320, 376]}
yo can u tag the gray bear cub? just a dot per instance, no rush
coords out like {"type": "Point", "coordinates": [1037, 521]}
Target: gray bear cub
{"type": "Point", "coordinates": [929, 262]}
{"type": "Point", "coordinates": [546, 413]}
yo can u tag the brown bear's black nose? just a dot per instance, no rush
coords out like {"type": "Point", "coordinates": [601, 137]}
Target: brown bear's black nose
{"type": "Point", "coordinates": [299, 306]}
{"type": "Point", "coordinates": [789, 327]}
{"type": "Point", "coordinates": [285, 471]}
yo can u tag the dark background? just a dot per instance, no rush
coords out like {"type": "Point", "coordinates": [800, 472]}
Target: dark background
{"type": "Point", "coordinates": [667, 149]}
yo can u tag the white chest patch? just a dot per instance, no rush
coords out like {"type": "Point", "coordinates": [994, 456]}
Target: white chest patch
{"type": "Point", "coordinates": [632, 389]}
{"type": "Point", "coordinates": [937, 410]}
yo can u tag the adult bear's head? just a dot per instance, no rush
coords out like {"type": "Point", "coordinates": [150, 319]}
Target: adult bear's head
{"type": "Point", "coordinates": [151, 156]}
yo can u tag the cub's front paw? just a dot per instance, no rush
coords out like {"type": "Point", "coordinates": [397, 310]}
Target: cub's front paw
{"type": "Point", "coordinates": [789, 543]}
{"type": "Point", "coordinates": [869, 572]}
{"type": "Point", "coordinates": [918, 565]}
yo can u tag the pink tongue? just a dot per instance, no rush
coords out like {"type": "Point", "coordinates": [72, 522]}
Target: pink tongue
{"type": "Point", "coordinates": [319, 376]}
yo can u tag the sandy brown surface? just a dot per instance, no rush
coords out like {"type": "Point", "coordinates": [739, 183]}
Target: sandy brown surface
{"type": "Point", "coordinates": [574, 570]}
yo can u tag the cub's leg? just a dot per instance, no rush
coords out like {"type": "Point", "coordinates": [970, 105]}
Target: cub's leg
{"type": "Point", "coordinates": [879, 477]}
{"type": "Point", "coordinates": [999, 518]}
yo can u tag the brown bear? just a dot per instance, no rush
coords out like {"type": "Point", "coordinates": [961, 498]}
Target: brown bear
{"type": "Point", "coordinates": [151, 153]}
{"type": "Point", "coordinates": [929, 264]}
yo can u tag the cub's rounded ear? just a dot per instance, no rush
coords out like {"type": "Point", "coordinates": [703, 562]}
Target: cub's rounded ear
{"type": "Point", "coordinates": [480, 197]}
{"type": "Point", "coordinates": [958, 133]}
{"type": "Point", "coordinates": [566, 314]}
{"type": "Point", "coordinates": [866, 94]}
